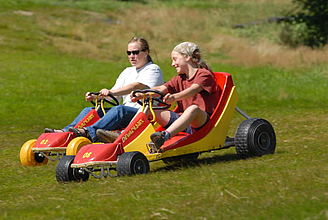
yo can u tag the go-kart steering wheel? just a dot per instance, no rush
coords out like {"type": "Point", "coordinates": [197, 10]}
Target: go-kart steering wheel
{"type": "Point", "coordinates": [147, 98]}
{"type": "Point", "coordinates": [115, 102]}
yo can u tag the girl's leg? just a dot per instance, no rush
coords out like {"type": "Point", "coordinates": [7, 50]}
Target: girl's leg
{"type": "Point", "coordinates": [193, 116]}
{"type": "Point", "coordinates": [162, 117]}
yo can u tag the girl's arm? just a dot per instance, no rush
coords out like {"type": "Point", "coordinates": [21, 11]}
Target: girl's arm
{"type": "Point", "coordinates": [138, 96]}
{"type": "Point", "coordinates": [189, 92]}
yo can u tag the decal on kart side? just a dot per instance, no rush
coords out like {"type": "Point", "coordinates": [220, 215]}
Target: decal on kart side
{"type": "Point", "coordinates": [44, 141]}
{"type": "Point", "coordinates": [132, 130]}
{"type": "Point", "coordinates": [89, 118]}
{"type": "Point", "coordinates": [87, 155]}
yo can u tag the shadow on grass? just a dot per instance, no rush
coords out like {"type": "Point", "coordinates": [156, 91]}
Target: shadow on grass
{"type": "Point", "coordinates": [178, 165]}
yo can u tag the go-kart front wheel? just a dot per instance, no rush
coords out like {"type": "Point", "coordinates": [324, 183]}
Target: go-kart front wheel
{"type": "Point", "coordinates": [28, 157]}
{"type": "Point", "coordinates": [64, 172]}
{"type": "Point", "coordinates": [255, 137]}
{"type": "Point", "coordinates": [75, 145]}
{"type": "Point", "coordinates": [131, 163]}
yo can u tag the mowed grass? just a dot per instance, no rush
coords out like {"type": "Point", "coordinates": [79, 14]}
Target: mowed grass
{"type": "Point", "coordinates": [291, 184]}
{"type": "Point", "coordinates": [49, 60]}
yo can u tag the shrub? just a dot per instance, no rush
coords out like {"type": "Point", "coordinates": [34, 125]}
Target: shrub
{"type": "Point", "coordinates": [307, 25]}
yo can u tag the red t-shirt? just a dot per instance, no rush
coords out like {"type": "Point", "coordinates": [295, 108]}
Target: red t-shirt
{"type": "Point", "coordinates": [206, 100]}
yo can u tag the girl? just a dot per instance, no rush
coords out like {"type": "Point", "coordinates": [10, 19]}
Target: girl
{"type": "Point", "coordinates": [194, 89]}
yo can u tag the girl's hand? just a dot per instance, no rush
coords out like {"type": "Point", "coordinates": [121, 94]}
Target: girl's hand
{"type": "Point", "coordinates": [169, 98]}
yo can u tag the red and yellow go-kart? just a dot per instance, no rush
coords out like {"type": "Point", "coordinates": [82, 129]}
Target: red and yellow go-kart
{"type": "Point", "coordinates": [133, 150]}
{"type": "Point", "coordinates": [52, 146]}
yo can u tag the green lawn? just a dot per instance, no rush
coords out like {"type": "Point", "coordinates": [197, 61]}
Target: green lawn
{"type": "Point", "coordinates": [49, 60]}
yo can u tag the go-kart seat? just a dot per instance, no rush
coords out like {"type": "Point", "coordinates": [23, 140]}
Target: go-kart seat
{"type": "Point", "coordinates": [225, 84]}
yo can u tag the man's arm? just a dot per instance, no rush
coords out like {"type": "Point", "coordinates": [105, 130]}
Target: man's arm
{"type": "Point", "coordinates": [124, 90]}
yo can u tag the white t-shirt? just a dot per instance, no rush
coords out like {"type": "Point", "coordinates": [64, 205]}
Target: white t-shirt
{"type": "Point", "coordinates": [149, 75]}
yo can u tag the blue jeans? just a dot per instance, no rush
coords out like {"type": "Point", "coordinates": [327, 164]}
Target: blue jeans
{"type": "Point", "coordinates": [116, 118]}
{"type": "Point", "coordinates": [83, 113]}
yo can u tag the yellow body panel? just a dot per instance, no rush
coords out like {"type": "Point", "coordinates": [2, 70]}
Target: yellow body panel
{"type": "Point", "coordinates": [138, 144]}
{"type": "Point", "coordinates": [215, 139]}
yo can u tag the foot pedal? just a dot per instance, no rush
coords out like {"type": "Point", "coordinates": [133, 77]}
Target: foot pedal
{"type": "Point", "coordinates": [152, 148]}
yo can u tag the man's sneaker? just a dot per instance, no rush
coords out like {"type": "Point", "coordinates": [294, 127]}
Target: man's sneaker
{"type": "Point", "coordinates": [107, 136]}
{"type": "Point", "coordinates": [79, 132]}
{"type": "Point", "coordinates": [158, 139]}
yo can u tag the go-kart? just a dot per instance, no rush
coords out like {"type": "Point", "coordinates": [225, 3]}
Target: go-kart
{"type": "Point", "coordinates": [52, 146]}
{"type": "Point", "coordinates": [132, 151]}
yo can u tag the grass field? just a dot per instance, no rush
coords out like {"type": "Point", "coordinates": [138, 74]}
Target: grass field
{"type": "Point", "coordinates": [52, 52]}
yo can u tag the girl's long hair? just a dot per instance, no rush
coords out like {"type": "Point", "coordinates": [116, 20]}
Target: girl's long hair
{"type": "Point", "coordinates": [192, 50]}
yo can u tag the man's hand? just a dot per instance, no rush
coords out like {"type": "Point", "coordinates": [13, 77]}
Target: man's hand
{"type": "Point", "coordinates": [105, 92]}
{"type": "Point", "coordinates": [89, 97]}
{"type": "Point", "coordinates": [136, 96]}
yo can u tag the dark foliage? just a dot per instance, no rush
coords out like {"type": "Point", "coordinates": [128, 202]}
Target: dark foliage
{"type": "Point", "coordinates": [308, 24]}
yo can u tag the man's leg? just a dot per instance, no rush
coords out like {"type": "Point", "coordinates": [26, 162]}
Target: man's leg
{"type": "Point", "coordinates": [117, 118]}
{"type": "Point", "coordinates": [83, 113]}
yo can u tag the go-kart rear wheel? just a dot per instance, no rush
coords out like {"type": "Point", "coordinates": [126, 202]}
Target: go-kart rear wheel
{"type": "Point", "coordinates": [131, 163]}
{"type": "Point", "coordinates": [255, 137]}
{"type": "Point", "coordinates": [64, 172]}
{"type": "Point", "coordinates": [75, 145]}
{"type": "Point", "coordinates": [28, 157]}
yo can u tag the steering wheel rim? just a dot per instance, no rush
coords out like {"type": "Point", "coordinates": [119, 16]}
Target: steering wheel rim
{"type": "Point", "coordinates": [114, 103]}
{"type": "Point", "coordinates": [158, 99]}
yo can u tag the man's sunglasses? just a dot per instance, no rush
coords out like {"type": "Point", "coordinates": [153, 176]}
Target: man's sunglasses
{"type": "Point", "coordinates": [134, 52]}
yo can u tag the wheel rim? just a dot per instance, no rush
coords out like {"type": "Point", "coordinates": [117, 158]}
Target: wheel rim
{"type": "Point", "coordinates": [139, 166]}
{"type": "Point", "coordinates": [80, 174]}
{"type": "Point", "coordinates": [39, 157]}
{"type": "Point", "coordinates": [263, 140]}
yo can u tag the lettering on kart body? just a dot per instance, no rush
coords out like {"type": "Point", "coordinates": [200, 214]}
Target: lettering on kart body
{"type": "Point", "coordinates": [44, 141]}
{"type": "Point", "coordinates": [86, 121]}
{"type": "Point", "coordinates": [87, 155]}
{"type": "Point", "coordinates": [132, 130]}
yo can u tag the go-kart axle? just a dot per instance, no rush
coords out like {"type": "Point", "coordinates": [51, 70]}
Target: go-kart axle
{"type": "Point", "coordinates": [242, 113]}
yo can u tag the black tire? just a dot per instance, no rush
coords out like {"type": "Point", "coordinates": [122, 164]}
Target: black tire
{"type": "Point", "coordinates": [255, 137]}
{"type": "Point", "coordinates": [131, 163]}
{"type": "Point", "coordinates": [64, 172]}
{"type": "Point", "coordinates": [181, 159]}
